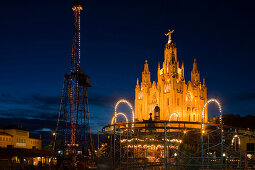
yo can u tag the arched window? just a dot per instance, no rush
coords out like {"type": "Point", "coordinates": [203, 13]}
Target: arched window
{"type": "Point", "coordinates": [156, 113]}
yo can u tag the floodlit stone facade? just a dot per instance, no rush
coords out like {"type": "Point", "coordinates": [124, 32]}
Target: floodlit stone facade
{"type": "Point", "coordinates": [170, 94]}
{"type": "Point", "coordinates": [17, 138]}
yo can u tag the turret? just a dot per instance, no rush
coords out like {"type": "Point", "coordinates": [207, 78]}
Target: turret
{"type": "Point", "coordinates": [158, 71]}
{"type": "Point", "coordinates": [204, 90]}
{"type": "Point", "coordinates": [146, 75]}
{"type": "Point", "coordinates": [195, 75]}
{"type": "Point", "coordinates": [137, 83]}
{"type": "Point", "coordinates": [137, 89]}
{"type": "Point", "coordinates": [204, 82]}
{"type": "Point", "coordinates": [182, 71]}
{"type": "Point", "coordinates": [195, 70]}
{"type": "Point", "coordinates": [182, 67]}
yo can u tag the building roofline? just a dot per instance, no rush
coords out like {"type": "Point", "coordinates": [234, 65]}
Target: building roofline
{"type": "Point", "coordinates": [4, 133]}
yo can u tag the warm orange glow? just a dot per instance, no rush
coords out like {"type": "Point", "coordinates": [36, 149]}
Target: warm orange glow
{"type": "Point", "coordinates": [236, 137]}
{"type": "Point", "coordinates": [18, 139]}
{"type": "Point", "coordinates": [77, 8]}
{"type": "Point", "coordinates": [171, 93]}
{"type": "Point", "coordinates": [169, 36]}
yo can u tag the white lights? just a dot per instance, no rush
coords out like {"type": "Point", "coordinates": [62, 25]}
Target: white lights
{"type": "Point", "coordinates": [208, 102]}
{"type": "Point", "coordinates": [249, 156]}
{"type": "Point", "coordinates": [140, 95]}
{"type": "Point", "coordinates": [126, 102]}
{"type": "Point", "coordinates": [236, 137]}
{"type": "Point", "coordinates": [167, 88]}
{"type": "Point", "coordinates": [154, 147]}
{"type": "Point", "coordinates": [174, 140]}
{"type": "Point", "coordinates": [161, 71]}
{"type": "Point", "coordinates": [117, 114]}
{"type": "Point", "coordinates": [150, 140]}
{"type": "Point", "coordinates": [178, 118]}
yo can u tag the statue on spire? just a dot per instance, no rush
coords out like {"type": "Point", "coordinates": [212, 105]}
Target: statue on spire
{"type": "Point", "coordinates": [169, 35]}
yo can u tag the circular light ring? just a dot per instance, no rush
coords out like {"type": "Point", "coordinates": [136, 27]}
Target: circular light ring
{"type": "Point", "coordinates": [118, 114]}
{"type": "Point", "coordinates": [236, 137]}
{"type": "Point", "coordinates": [178, 118]}
{"type": "Point", "coordinates": [126, 102]}
{"type": "Point", "coordinates": [203, 111]}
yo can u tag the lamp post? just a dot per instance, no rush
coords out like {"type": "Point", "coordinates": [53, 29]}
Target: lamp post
{"type": "Point", "coordinates": [54, 138]}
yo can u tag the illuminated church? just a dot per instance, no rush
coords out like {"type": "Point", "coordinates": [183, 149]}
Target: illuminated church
{"type": "Point", "coordinates": [170, 94]}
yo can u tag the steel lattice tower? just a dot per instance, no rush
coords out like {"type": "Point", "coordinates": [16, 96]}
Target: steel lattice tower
{"type": "Point", "coordinates": [73, 126]}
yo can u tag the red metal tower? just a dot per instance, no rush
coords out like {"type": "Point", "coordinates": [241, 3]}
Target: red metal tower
{"type": "Point", "coordinates": [73, 126]}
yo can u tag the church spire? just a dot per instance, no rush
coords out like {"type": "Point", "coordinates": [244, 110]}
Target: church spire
{"type": "Point", "coordinates": [182, 71]}
{"type": "Point", "coordinates": [195, 75]}
{"type": "Point", "coordinates": [158, 69]}
{"type": "Point", "coordinates": [146, 75]}
{"type": "Point", "coordinates": [146, 67]}
{"type": "Point", "coordinates": [137, 83]}
{"type": "Point", "coordinates": [204, 82]}
{"type": "Point", "coordinates": [195, 69]}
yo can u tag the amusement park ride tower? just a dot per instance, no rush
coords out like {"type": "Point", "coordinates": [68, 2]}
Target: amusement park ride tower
{"type": "Point", "coordinates": [73, 124]}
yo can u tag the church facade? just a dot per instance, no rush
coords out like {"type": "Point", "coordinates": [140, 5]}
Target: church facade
{"type": "Point", "coordinates": [170, 94]}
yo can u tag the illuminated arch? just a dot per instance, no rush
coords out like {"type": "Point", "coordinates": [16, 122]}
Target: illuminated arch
{"type": "Point", "coordinates": [117, 114]}
{"type": "Point", "coordinates": [203, 111]}
{"type": "Point", "coordinates": [236, 137]}
{"type": "Point", "coordinates": [126, 102]}
{"type": "Point", "coordinates": [178, 118]}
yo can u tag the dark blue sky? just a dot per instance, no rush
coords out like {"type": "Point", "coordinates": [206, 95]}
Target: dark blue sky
{"type": "Point", "coordinates": [117, 36]}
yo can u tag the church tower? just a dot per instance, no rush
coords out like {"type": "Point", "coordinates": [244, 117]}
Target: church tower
{"type": "Point", "coordinates": [146, 75]}
{"type": "Point", "coordinates": [170, 94]}
{"type": "Point", "coordinates": [195, 75]}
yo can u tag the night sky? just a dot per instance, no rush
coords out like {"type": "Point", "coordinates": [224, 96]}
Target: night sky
{"type": "Point", "coordinates": [116, 37]}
